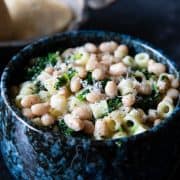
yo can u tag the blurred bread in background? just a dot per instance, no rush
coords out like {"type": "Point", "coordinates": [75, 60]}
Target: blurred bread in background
{"type": "Point", "coordinates": [25, 19]}
{"type": "Point", "coordinates": [6, 27]}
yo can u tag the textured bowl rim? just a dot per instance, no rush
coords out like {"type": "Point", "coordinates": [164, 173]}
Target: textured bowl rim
{"type": "Point", "coordinates": [14, 110]}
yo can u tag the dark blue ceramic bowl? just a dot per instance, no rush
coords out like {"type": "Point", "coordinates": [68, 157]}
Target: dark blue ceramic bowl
{"type": "Point", "coordinates": [32, 153]}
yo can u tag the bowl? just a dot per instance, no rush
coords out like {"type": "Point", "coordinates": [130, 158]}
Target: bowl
{"type": "Point", "coordinates": [33, 153]}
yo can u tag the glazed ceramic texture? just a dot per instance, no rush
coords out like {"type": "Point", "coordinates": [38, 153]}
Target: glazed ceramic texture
{"type": "Point", "coordinates": [32, 153]}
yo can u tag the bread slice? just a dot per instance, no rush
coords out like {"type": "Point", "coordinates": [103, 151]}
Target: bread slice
{"type": "Point", "coordinates": [33, 18]}
{"type": "Point", "coordinates": [6, 25]}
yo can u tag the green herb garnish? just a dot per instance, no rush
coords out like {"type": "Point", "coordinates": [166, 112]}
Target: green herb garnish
{"type": "Point", "coordinates": [71, 73]}
{"type": "Point", "coordinates": [64, 129]}
{"type": "Point", "coordinates": [114, 104]}
{"type": "Point", "coordinates": [65, 78]}
{"type": "Point", "coordinates": [146, 102]}
{"type": "Point", "coordinates": [164, 78]}
{"type": "Point", "coordinates": [40, 64]}
{"type": "Point", "coordinates": [147, 74]}
{"type": "Point", "coordinates": [61, 81]}
{"type": "Point", "coordinates": [82, 94]}
{"type": "Point", "coordinates": [89, 78]}
{"type": "Point", "coordinates": [155, 89]}
{"type": "Point", "coordinates": [104, 82]}
{"type": "Point", "coordinates": [52, 58]}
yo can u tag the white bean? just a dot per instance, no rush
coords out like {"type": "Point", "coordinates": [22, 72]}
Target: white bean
{"type": "Point", "coordinates": [58, 102]}
{"type": "Point", "coordinates": [92, 63]}
{"type": "Point", "coordinates": [47, 120]}
{"type": "Point", "coordinates": [108, 59]}
{"type": "Point", "coordinates": [173, 93]}
{"type": "Point", "coordinates": [43, 76]}
{"type": "Point", "coordinates": [57, 73]}
{"type": "Point", "coordinates": [175, 83]}
{"type": "Point", "coordinates": [40, 109]}
{"type": "Point", "coordinates": [88, 127]}
{"type": "Point", "coordinates": [27, 112]}
{"type": "Point", "coordinates": [75, 84]}
{"type": "Point", "coordinates": [128, 100]}
{"type": "Point", "coordinates": [152, 115]}
{"type": "Point", "coordinates": [29, 100]}
{"type": "Point", "coordinates": [111, 89]}
{"type": "Point", "coordinates": [73, 122]}
{"type": "Point", "coordinates": [121, 51]}
{"type": "Point", "coordinates": [157, 121]}
{"type": "Point", "coordinates": [63, 92]}
{"type": "Point", "coordinates": [81, 72]}
{"type": "Point", "coordinates": [27, 88]}
{"type": "Point", "coordinates": [145, 88]}
{"type": "Point", "coordinates": [156, 68]}
{"type": "Point", "coordinates": [68, 52]}
{"type": "Point", "coordinates": [103, 66]}
{"type": "Point", "coordinates": [93, 96]}
{"type": "Point", "coordinates": [101, 129]}
{"type": "Point", "coordinates": [118, 69]}
{"type": "Point", "coordinates": [108, 46]}
{"type": "Point", "coordinates": [98, 74]}
{"type": "Point", "coordinates": [49, 70]}
{"type": "Point", "coordinates": [151, 61]}
{"type": "Point", "coordinates": [90, 47]}
{"type": "Point", "coordinates": [82, 112]}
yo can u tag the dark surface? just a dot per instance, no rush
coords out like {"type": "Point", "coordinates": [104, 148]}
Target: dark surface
{"type": "Point", "coordinates": [154, 21]}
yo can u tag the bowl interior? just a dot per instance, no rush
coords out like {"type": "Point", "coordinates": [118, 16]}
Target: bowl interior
{"type": "Point", "coordinates": [14, 72]}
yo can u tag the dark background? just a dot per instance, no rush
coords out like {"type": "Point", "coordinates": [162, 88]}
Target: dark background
{"type": "Point", "coordinates": [155, 21]}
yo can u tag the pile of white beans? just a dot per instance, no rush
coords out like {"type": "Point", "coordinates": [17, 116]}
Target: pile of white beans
{"type": "Point", "coordinates": [111, 61]}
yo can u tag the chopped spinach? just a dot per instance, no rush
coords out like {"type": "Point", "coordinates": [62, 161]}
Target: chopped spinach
{"type": "Point", "coordinates": [52, 58]}
{"type": "Point", "coordinates": [114, 103]}
{"type": "Point", "coordinates": [104, 82]}
{"type": "Point", "coordinates": [89, 78]}
{"type": "Point", "coordinates": [61, 81]}
{"type": "Point", "coordinates": [40, 63]}
{"type": "Point", "coordinates": [164, 78]}
{"type": "Point", "coordinates": [82, 94]}
{"type": "Point", "coordinates": [155, 89]}
{"type": "Point", "coordinates": [64, 129]}
{"type": "Point", "coordinates": [147, 102]}
{"type": "Point", "coordinates": [65, 78]}
{"type": "Point", "coordinates": [71, 73]}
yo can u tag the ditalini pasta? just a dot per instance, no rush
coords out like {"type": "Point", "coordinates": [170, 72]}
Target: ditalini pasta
{"type": "Point", "coordinates": [97, 91]}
